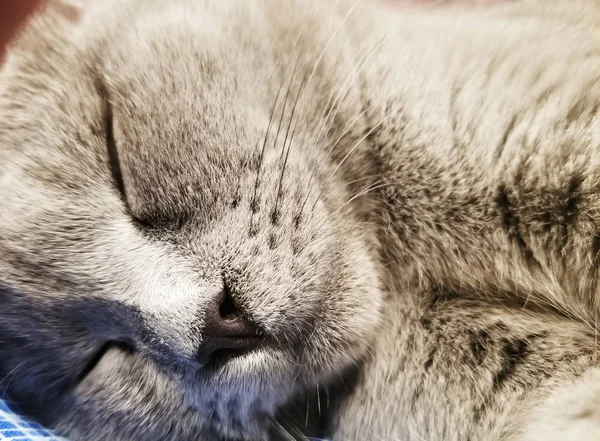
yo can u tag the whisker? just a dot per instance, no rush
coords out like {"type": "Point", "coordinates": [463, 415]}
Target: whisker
{"type": "Point", "coordinates": [348, 155]}
{"type": "Point", "coordinates": [320, 57]}
{"type": "Point", "coordinates": [319, 399]}
{"type": "Point", "coordinates": [282, 430]}
{"type": "Point", "coordinates": [300, 90]}
{"type": "Point", "coordinates": [307, 412]}
{"type": "Point", "coordinates": [345, 87]}
{"type": "Point", "coordinates": [333, 94]}
{"type": "Point", "coordinates": [270, 124]}
{"type": "Point", "coordinates": [289, 88]}
{"type": "Point", "coordinates": [285, 100]}
{"type": "Point", "coordinates": [347, 129]}
{"type": "Point", "coordinates": [9, 376]}
{"type": "Point", "coordinates": [262, 152]}
{"type": "Point", "coordinates": [362, 193]}
{"type": "Point", "coordinates": [335, 33]}
{"type": "Point", "coordinates": [253, 202]}
{"type": "Point", "coordinates": [289, 147]}
{"type": "Point", "coordinates": [244, 166]}
{"type": "Point", "coordinates": [337, 104]}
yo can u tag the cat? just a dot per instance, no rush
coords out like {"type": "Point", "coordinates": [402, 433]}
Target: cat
{"type": "Point", "coordinates": [235, 220]}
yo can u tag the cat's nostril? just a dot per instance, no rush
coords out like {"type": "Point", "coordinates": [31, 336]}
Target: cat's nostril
{"type": "Point", "coordinates": [226, 330]}
{"type": "Point", "coordinates": [228, 309]}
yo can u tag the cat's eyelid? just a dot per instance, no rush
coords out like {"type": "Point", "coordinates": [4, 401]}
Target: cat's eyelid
{"type": "Point", "coordinates": [111, 144]}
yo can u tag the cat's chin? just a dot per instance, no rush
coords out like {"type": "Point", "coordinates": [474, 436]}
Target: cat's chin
{"type": "Point", "coordinates": [243, 396]}
{"type": "Point", "coordinates": [240, 393]}
{"type": "Point", "coordinates": [238, 406]}
{"type": "Point", "coordinates": [237, 412]}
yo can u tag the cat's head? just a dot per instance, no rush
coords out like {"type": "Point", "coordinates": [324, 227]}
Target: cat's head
{"type": "Point", "coordinates": [176, 254]}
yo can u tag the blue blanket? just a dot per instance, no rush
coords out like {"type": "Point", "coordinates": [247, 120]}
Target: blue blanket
{"type": "Point", "coordinates": [15, 428]}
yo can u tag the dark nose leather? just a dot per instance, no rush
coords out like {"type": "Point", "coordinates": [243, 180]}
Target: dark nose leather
{"type": "Point", "coordinates": [226, 331]}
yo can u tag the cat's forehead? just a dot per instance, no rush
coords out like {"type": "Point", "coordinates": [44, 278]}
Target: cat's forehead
{"type": "Point", "coordinates": [184, 115]}
{"type": "Point", "coordinates": [172, 46]}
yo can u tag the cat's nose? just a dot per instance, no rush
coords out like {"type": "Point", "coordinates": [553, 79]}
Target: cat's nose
{"type": "Point", "coordinates": [226, 331]}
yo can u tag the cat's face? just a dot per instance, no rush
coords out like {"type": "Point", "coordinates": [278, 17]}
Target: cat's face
{"type": "Point", "coordinates": [149, 227]}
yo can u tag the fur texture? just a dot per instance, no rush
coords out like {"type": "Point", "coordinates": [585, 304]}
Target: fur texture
{"type": "Point", "coordinates": [408, 195]}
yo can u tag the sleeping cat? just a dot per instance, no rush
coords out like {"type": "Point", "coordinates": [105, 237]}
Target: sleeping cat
{"type": "Point", "coordinates": [271, 219]}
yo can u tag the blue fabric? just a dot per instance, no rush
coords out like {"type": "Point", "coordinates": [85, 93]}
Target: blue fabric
{"type": "Point", "coordinates": [15, 428]}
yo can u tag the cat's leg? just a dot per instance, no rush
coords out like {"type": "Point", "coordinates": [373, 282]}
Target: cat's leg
{"type": "Point", "coordinates": [455, 369]}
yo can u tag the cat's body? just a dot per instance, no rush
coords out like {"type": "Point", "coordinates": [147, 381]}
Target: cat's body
{"type": "Point", "coordinates": [487, 223]}
{"type": "Point", "coordinates": [424, 211]}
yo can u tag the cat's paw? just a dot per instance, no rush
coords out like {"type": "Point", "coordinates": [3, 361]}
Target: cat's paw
{"type": "Point", "coordinates": [569, 413]}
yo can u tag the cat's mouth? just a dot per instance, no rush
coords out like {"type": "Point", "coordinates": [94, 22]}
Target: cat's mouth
{"type": "Point", "coordinates": [217, 352]}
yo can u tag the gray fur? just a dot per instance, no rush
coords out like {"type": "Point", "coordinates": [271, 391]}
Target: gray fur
{"type": "Point", "coordinates": [424, 210]}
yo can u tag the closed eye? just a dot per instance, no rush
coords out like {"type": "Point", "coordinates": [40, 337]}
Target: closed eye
{"type": "Point", "coordinates": [99, 354]}
{"type": "Point", "coordinates": [113, 152]}
{"type": "Point", "coordinates": [111, 145]}
{"type": "Point", "coordinates": [144, 221]}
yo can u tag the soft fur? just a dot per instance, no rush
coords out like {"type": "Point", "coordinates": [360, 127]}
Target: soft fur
{"type": "Point", "coordinates": [406, 202]}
